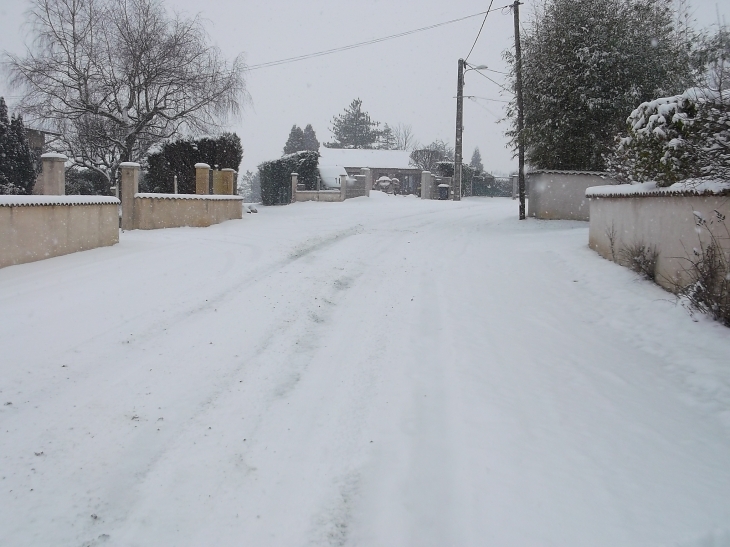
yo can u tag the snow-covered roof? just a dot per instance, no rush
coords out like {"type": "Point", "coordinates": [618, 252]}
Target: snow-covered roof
{"type": "Point", "coordinates": [694, 187]}
{"type": "Point", "coordinates": [395, 159]}
{"type": "Point", "coordinates": [209, 197]}
{"type": "Point", "coordinates": [34, 201]}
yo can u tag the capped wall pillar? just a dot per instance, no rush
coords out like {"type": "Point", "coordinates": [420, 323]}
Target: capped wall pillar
{"type": "Point", "coordinates": [229, 181]}
{"type": "Point", "coordinates": [129, 179]}
{"type": "Point", "coordinates": [368, 180]}
{"type": "Point", "coordinates": [343, 187]}
{"type": "Point", "coordinates": [202, 178]}
{"type": "Point", "coordinates": [52, 180]}
{"type": "Point", "coordinates": [426, 185]}
{"type": "Point", "coordinates": [294, 182]}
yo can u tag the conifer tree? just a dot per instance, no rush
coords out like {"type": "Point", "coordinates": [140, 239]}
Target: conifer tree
{"type": "Point", "coordinates": [476, 161]}
{"type": "Point", "coordinates": [354, 128]}
{"type": "Point", "coordinates": [296, 141]}
{"type": "Point", "coordinates": [585, 65]}
{"type": "Point", "coordinates": [17, 170]}
{"type": "Point", "coordinates": [310, 139]}
{"type": "Point", "coordinates": [387, 140]}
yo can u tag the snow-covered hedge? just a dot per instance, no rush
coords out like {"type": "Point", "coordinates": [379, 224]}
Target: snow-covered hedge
{"type": "Point", "coordinates": [275, 176]}
{"type": "Point", "coordinates": [675, 138]}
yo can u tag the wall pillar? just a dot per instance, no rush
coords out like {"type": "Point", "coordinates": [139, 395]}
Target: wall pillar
{"type": "Point", "coordinates": [294, 182]}
{"type": "Point", "coordinates": [202, 178]}
{"type": "Point", "coordinates": [368, 180]}
{"type": "Point", "coordinates": [343, 187]}
{"type": "Point", "coordinates": [52, 180]}
{"type": "Point", "coordinates": [129, 180]}
{"type": "Point", "coordinates": [229, 181]}
{"type": "Point", "coordinates": [425, 185]}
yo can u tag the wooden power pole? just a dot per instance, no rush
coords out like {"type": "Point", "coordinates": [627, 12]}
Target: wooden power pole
{"type": "Point", "coordinates": [520, 115]}
{"type": "Point", "coordinates": [459, 130]}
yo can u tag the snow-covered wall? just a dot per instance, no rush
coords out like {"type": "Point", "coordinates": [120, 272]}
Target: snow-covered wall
{"type": "Point", "coordinates": [37, 227]}
{"type": "Point", "coordinates": [668, 223]}
{"type": "Point", "coordinates": [154, 211]}
{"type": "Point", "coordinates": [560, 195]}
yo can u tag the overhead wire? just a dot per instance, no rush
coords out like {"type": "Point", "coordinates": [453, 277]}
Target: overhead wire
{"type": "Point", "coordinates": [493, 81]}
{"type": "Point", "coordinates": [367, 42]}
{"type": "Point", "coordinates": [480, 30]}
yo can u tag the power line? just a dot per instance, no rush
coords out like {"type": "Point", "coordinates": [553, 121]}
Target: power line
{"type": "Point", "coordinates": [480, 30]}
{"type": "Point", "coordinates": [366, 43]}
{"type": "Point", "coordinates": [498, 118]}
{"type": "Point", "coordinates": [485, 99]}
{"type": "Point", "coordinates": [493, 81]}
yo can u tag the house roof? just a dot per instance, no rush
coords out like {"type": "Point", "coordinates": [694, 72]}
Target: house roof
{"type": "Point", "coordinates": [395, 159]}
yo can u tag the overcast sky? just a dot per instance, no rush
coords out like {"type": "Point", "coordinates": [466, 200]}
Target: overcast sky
{"type": "Point", "coordinates": [410, 80]}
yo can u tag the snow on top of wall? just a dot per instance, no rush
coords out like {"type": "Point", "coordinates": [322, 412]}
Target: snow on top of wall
{"type": "Point", "coordinates": [54, 156]}
{"type": "Point", "coordinates": [691, 187]}
{"type": "Point", "coordinates": [562, 172]}
{"type": "Point", "coordinates": [33, 201]}
{"type": "Point", "coordinates": [209, 197]}
{"type": "Point", "coordinates": [345, 157]}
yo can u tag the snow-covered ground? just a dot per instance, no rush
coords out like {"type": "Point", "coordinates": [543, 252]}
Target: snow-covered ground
{"type": "Point", "coordinates": [381, 372]}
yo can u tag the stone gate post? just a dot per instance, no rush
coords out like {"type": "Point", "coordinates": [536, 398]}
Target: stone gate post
{"type": "Point", "coordinates": [425, 185]}
{"type": "Point", "coordinates": [52, 180]}
{"type": "Point", "coordinates": [202, 178]}
{"type": "Point", "coordinates": [294, 182]}
{"type": "Point", "coordinates": [229, 181]}
{"type": "Point", "coordinates": [343, 187]}
{"type": "Point", "coordinates": [368, 180]}
{"type": "Point", "coordinates": [129, 180]}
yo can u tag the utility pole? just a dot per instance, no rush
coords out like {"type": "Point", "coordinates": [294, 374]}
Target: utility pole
{"type": "Point", "coordinates": [459, 130]}
{"type": "Point", "coordinates": [520, 116]}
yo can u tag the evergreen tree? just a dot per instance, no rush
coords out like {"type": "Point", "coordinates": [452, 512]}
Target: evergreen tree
{"type": "Point", "coordinates": [5, 185]}
{"type": "Point", "coordinates": [23, 165]}
{"type": "Point", "coordinates": [17, 169]}
{"type": "Point", "coordinates": [310, 139]}
{"type": "Point", "coordinates": [387, 140]}
{"type": "Point", "coordinates": [586, 64]}
{"type": "Point", "coordinates": [354, 128]}
{"type": "Point", "coordinates": [476, 161]}
{"type": "Point", "coordinates": [296, 141]}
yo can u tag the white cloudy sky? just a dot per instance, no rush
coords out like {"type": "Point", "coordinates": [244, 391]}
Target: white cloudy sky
{"type": "Point", "coordinates": [409, 80]}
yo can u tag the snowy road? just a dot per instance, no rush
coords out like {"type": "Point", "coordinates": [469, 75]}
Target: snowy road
{"type": "Point", "coordinates": [383, 372]}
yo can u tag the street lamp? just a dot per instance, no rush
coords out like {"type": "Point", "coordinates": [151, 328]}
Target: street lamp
{"type": "Point", "coordinates": [458, 152]}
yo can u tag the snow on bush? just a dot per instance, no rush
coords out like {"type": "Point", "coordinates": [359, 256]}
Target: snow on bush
{"type": "Point", "coordinates": [675, 138]}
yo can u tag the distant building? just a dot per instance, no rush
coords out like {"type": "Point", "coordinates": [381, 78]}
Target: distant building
{"type": "Point", "coordinates": [382, 163]}
{"type": "Point", "coordinates": [38, 140]}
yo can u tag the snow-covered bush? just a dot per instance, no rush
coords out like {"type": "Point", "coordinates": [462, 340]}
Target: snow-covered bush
{"type": "Point", "coordinates": [275, 176]}
{"type": "Point", "coordinates": [179, 156]}
{"type": "Point", "coordinates": [675, 138]}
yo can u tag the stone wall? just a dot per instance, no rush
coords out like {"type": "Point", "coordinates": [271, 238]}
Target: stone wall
{"type": "Point", "coordinates": [38, 227]}
{"type": "Point", "coordinates": [560, 195]}
{"type": "Point", "coordinates": [667, 223]}
{"type": "Point", "coordinates": [156, 211]}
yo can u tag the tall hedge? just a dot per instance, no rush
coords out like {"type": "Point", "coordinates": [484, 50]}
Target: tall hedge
{"type": "Point", "coordinates": [180, 156]}
{"type": "Point", "coordinates": [275, 176]}
{"type": "Point", "coordinates": [446, 169]}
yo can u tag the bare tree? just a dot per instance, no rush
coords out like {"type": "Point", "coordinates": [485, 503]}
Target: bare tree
{"type": "Point", "coordinates": [426, 157]}
{"type": "Point", "coordinates": [404, 138]}
{"type": "Point", "coordinates": [115, 77]}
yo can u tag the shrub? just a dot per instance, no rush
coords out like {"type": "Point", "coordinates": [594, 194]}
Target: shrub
{"type": "Point", "coordinates": [640, 258]}
{"type": "Point", "coordinates": [709, 273]}
{"type": "Point", "coordinates": [676, 138]}
{"type": "Point", "coordinates": [275, 176]}
{"type": "Point", "coordinates": [179, 157]}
